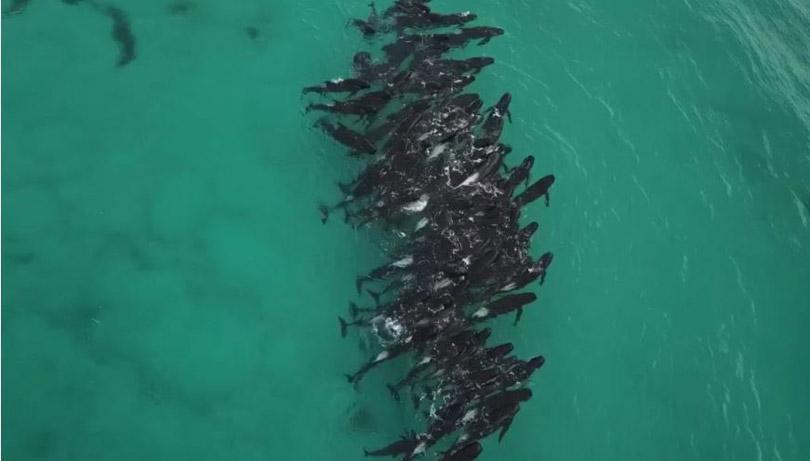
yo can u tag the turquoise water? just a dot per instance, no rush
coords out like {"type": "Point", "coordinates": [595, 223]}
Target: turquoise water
{"type": "Point", "coordinates": [169, 292]}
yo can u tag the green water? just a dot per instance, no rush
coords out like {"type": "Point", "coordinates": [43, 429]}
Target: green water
{"type": "Point", "coordinates": [169, 293]}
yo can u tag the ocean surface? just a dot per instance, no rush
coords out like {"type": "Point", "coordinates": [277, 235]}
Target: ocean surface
{"type": "Point", "coordinates": [169, 293]}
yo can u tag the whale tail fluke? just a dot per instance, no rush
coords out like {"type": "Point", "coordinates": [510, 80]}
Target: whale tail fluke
{"type": "Point", "coordinates": [343, 327]}
{"type": "Point", "coordinates": [324, 210]}
{"type": "Point", "coordinates": [393, 391]}
{"type": "Point", "coordinates": [375, 296]}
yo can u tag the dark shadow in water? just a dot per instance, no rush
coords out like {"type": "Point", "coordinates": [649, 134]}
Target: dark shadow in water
{"type": "Point", "coordinates": [360, 419]}
{"type": "Point", "coordinates": [79, 320]}
{"type": "Point", "coordinates": [42, 445]}
{"type": "Point", "coordinates": [16, 7]}
{"type": "Point", "coordinates": [126, 247]}
{"type": "Point", "coordinates": [252, 32]}
{"type": "Point", "coordinates": [19, 259]}
{"type": "Point", "coordinates": [122, 34]}
{"type": "Point", "coordinates": [181, 7]}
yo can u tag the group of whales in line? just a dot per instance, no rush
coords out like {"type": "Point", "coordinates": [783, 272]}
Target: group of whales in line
{"type": "Point", "coordinates": [437, 181]}
{"type": "Point", "coordinates": [436, 176]}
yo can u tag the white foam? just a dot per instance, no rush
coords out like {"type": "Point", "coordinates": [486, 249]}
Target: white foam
{"type": "Point", "coordinates": [417, 206]}
{"type": "Point", "coordinates": [469, 416]}
{"type": "Point", "coordinates": [394, 326]}
{"type": "Point", "coordinates": [404, 262]}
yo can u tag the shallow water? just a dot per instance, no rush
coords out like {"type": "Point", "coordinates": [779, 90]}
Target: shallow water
{"type": "Point", "coordinates": [169, 292]}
